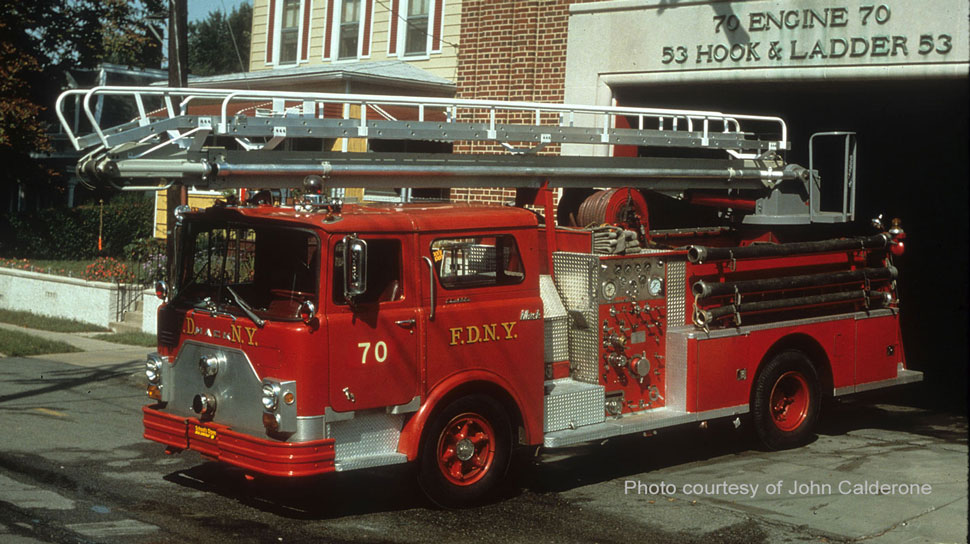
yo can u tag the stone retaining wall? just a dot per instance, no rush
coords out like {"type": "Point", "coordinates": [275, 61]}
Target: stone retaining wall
{"type": "Point", "coordinates": [92, 302]}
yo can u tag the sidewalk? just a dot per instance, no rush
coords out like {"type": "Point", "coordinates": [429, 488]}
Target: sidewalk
{"type": "Point", "coordinates": [94, 353]}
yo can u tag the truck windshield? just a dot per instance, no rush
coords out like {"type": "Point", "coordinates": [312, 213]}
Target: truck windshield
{"type": "Point", "coordinates": [238, 269]}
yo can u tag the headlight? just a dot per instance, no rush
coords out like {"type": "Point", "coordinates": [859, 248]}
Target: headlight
{"type": "Point", "coordinates": [154, 367]}
{"type": "Point", "coordinates": [153, 371]}
{"type": "Point", "coordinates": [270, 397]}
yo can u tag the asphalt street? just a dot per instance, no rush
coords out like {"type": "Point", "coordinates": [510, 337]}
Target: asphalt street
{"type": "Point", "coordinates": [74, 468]}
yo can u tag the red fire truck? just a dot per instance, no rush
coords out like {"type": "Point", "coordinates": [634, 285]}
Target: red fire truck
{"type": "Point", "coordinates": [327, 336]}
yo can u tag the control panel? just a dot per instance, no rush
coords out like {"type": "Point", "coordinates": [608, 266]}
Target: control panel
{"type": "Point", "coordinates": [632, 317]}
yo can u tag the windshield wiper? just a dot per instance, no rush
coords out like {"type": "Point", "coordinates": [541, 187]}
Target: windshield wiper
{"type": "Point", "coordinates": [208, 305]}
{"type": "Point", "coordinates": [245, 307]}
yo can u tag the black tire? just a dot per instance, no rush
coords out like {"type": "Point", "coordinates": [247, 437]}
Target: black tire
{"type": "Point", "coordinates": [785, 401]}
{"type": "Point", "coordinates": [459, 468]}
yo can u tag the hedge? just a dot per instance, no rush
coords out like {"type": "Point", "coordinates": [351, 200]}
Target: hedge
{"type": "Point", "coordinates": [72, 233]}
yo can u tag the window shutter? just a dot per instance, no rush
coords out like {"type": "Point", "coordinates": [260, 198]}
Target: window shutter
{"type": "Point", "coordinates": [305, 47]}
{"type": "Point", "coordinates": [368, 13]}
{"type": "Point", "coordinates": [328, 31]}
{"type": "Point", "coordinates": [438, 26]}
{"type": "Point", "coordinates": [271, 32]}
{"type": "Point", "coordinates": [395, 22]}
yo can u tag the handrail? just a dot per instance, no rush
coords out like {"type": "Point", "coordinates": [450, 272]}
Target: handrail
{"type": "Point", "coordinates": [565, 114]}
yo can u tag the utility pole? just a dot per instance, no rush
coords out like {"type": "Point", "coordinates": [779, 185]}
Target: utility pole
{"type": "Point", "coordinates": [178, 62]}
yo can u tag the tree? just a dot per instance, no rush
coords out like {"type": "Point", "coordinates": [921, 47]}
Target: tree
{"type": "Point", "coordinates": [132, 32]}
{"type": "Point", "coordinates": [213, 42]}
{"type": "Point", "coordinates": [40, 41]}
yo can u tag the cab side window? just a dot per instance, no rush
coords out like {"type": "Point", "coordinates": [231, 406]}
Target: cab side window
{"type": "Point", "coordinates": [477, 261]}
{"type": "Point", "coordinates": [384, 280]}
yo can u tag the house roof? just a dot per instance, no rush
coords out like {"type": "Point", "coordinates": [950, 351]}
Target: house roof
{"type": "Point", "coordinates": [393, 74]}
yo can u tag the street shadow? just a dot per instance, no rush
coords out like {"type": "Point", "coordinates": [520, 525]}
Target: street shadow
{"type": "Point", "coordinates": [329, 496]}
{"type": "Point", "coordinates": [394, 488]}
{"type": "Point", "coordinates": [59, 379]}
{"type": "Point", "coordinates": [536, 479]}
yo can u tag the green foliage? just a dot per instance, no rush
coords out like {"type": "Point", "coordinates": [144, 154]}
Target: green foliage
{"type": "Point", "coordinates": [19, 344]}
{"type": "Point", "coordinates": [149, 257]}
{"type": "Point", "coordinates": [40, 41]}
{"type": "Point", "coordinates": [128, 39]}
{"type": "Point", "coordinates": [74, 269]}
{"type": "Point", "coordinates": [130, 338]}
{"type": "Point", "coordinates": [45, 323]}
{"type": "Point", "coordinates": [73, 233]}
{"type": "Point", "coordinates": [145, 249]}
{"type": "Point", "coordinates": [212, 49]}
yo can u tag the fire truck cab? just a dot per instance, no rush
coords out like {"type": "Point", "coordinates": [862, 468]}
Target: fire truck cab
{"type": "Point", "coordinates": [343, 334]}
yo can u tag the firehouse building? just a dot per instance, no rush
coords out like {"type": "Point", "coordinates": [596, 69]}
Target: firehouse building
{"type": "Point", "coordinates": [893, 71]}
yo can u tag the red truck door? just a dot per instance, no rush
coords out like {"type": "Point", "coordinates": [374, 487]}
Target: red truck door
{"type": "Point", "coordinates": [374, 343]}
{"type": "Point", "coordinates": [488, 314]}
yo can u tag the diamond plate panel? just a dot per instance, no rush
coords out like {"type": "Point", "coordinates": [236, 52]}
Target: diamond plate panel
{"type": "Point", "coordinates": [551, 304]}
{"type": "Point", "coordinates": [365, 435]}
{"type": "Point", "coordinates": [576, 279]}
{"type": "Point", "coordinates": [570, 404]}
{"type": "Point", "coordinates": [676, 293]}
{"type": "Point", "coordinates": [555, 320]}
{"type": "Point", "coordinates": [556, 339]}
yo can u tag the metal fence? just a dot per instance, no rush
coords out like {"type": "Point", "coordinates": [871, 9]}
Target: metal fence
{"type": "Point", "coordinates": [146, 272]}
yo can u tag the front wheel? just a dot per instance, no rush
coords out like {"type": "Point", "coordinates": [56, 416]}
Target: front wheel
{"type": "Point", "coordinates": [785, 402]}
{"type": "Point", "coordinates": [465, 451]}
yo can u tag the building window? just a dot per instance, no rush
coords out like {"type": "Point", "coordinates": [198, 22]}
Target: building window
{"type": "Point", "coordinates": [289, 32]}
{"type": "Point", "coordinates": [416, 28]}
{"type": "Point", "coordinates": [349, 29]}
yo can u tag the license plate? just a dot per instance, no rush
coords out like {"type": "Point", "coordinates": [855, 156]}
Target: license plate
{"type": "Point", "coordinates": [205, 432]}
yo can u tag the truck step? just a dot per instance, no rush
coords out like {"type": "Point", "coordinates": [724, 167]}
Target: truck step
{"type": "Point", "coordinates": [570, 404]}
{"type": "Point", "coordinates": [369, 439]}
{"type": "Point", "coordinates": [367, 461]}
{"type": "Point", "coordinates": [644, 421]}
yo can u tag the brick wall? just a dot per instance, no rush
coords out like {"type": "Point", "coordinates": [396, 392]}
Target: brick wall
{"type": "Point", "coordinates": [510, 50]}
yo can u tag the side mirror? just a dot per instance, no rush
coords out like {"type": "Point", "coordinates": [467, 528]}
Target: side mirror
{"type": "Point", "coordinates": [161, 290]}
{"type": "Point", "coordinates": [355, 267]}
{"type": "Point", "coordinates": [306, 311]}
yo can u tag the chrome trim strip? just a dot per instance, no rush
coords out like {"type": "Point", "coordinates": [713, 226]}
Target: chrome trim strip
{"type": "Point", "coordinates": [722, 333]}
{"type": "Point", "coordinates": [903, 377]}
{"type": "Point", "coordinates": [308, 428]}
{"type": "Point", "coordinates": [644, 421]}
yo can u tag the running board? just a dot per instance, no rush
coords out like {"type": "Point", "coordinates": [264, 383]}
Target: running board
{"type": "Point", "coordinates": [650, 420]}
{"type": "Point", "coordinates": [903, 376]}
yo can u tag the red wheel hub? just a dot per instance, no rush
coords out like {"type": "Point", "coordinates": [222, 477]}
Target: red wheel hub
{"type": "Point", "coordinates": [789, 399]}
{"type": "Point", "coordinates": [466, 449]}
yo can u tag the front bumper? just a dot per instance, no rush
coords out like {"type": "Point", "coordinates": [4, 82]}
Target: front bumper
{"type": "Point", "coordinates": [268, 457]}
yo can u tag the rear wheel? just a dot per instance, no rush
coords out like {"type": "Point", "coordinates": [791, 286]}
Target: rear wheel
{"type": "Point", "coordinates": [465, 451]}
{"type": "Point", "coordinates": [785, 402]}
